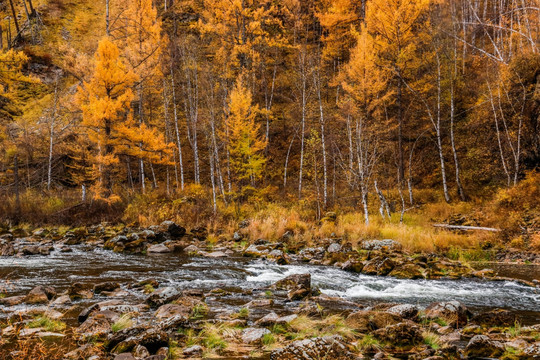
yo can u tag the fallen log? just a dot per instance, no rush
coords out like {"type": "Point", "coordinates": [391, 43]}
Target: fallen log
{"type": "Point", "coordinates": [465, 228]}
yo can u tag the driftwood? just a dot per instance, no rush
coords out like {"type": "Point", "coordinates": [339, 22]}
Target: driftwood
{"type": "Point", "coordinates": [466, 228]}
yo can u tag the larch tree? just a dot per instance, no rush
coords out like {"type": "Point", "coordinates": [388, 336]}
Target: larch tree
{"type": "Point", "coordinates": [394, 25]}
{"type": "Point", "coordinates": [142, 45]}
{"type": "Point", "coordinates": [245, 141]}
{"type": "Point", "coordinates": [104, 101]}
{"type": "Point", "coordinates": [364, 82]}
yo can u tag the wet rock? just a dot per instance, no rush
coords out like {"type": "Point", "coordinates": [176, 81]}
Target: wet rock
{"type": "Point", "coordinates": [256, 250]}
{"type": "Point", "coordinates": [106, 286]}
{"type": "Point", "coordinates": [406, 311]}
{"type": "Point", "coordinates": [453, 312]}
{"type": "Point", "coordinates": [378, 266]}
{"type": "Point", "coordinates": [352, 265]}
{"type": "Point", "coordinates": [483, 346]}
{"type": "Point", "coordinates": [293, 282]}
{"type": "Point", "coordinates": [408, 271]}
{"type": "Point", "coordinates": [30, 250]}
{"type": "Point", "coordinates": [402, 333]}
{"type": "Point", "coordinates": [237, 236]}
{"type": "Point", "coordinates": [170, 310]}
{"type": "Point", "coordinates": [191, 249]}
{"type": "Point", "coordinates": [216, 254]}
{"type": "Point", "coordinates": [193, 351]}
{"type": "Point", "coordinates": [158, 249]}
{"type": "Point", "coordinates": [78, 291]}
{"type": "Point", "coordinates": [380, 245]}
{"type": "Point", "coordinates": [519, 344]}
{"type": "Point", "coordinates": [367, 320]}
{"type": "Point", "coordinates": [40, 294]}
{"type": "Point", "coordinates": [497, 317]}
{"type": "Point", "coordinates": [310, 254]}
{"type": "Point", "coordinates": [173, 323]}
{"type": "Point", "coordinates": [12, 300]}
{"type": "Point", "coordinates": [298, 286]}
{"type": "Point", "coordinates": [253, 335]}
{"type": "Point", "coordinates": [162, 296]}
{"type": "Point", "coordinates": [533, 351]}
{"type": "Point", "coordinates": [7, 249]}
{"type": "Point", "coordinates": [328, 347]}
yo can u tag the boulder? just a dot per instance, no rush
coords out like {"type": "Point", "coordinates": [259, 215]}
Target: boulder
{"type": "Point", "coordinates": [453, 312]}
{"type": "Point", "coordinates": [352, 265]}
{"type": "Point", "coordinates": [405, 311]}
{"type": "Point", "coordinates": [94, 327]}
{"type": "Point", "coordinates": [12, 300]}
{"type": "Point", "coordinates": [170, 310]}
{"type": "Point", "coordinates": [40, 294]}
{"type": "Point", "coordinates": [497, 317]}
{"type": "Point", "coordinates": [158, 249]}
{"type": "Point", "coordinates": [328, 347]}
{"type": "Point", "coordinates": [298, 286]}
{"type": "Point", "coordinates": [481, 346]}
{"type": "Point", "coordinates": [408, 271]}
{"type": "Point", "coordinates": [78, 291]}
{"type": "Point", "coordinates": [191, 249]}
{"type": "Point", "coordinates": [404, 333]}
{"type": "Point", "coordinates": [174, 230]}
{"type": "Point", "coordinates": [368, 320]}
{"type": "Point", "coordinates": [125, 356]}
{"type": "Point", "coordinates": [106, 286]}
{"type": "Point", "coordinates": [163, 296]}
{"type": "Point", "coordinates": [378, 266]}
{"type": "Point", "coordinates": [267, 320]}
{"type": "Point", "coordinates": [253, 335]}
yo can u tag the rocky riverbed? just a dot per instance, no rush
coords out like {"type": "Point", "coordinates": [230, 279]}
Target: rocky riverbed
{"type": "Point", "coordinates": [163, 292]}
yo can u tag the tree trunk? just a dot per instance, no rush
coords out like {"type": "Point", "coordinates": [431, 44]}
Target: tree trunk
{"type": "Point", "coordinates": [177, 130]}
{"type": "Point", "coordinates": [51, 137]}
{"type": "Point", "coordinates": [107, 23]}
{"type": "Point", "coordinates": [17, 195]}
{"type": "Point", "coordinates": [14, 17]}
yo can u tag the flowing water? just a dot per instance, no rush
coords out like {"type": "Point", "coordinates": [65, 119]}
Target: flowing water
{"type": "Point", "coordinates": [237, 274]}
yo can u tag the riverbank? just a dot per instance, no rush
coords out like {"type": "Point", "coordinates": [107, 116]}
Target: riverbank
{"type": "Point", "coordinates": [168, 292]}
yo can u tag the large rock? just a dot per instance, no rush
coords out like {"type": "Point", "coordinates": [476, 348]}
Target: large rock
{"type": "Point", "coordinates": [253, 335]}
{"type": "Point", "coordinates": [406, 311]}
{"type": "Point", "coordinates": [367, 320]}
{"type": "Point", "coordinates": [94, 327]}
{"type": "Point", "coordinates": [298, 286]}
{"type": "Point", "coordinates": [497, 317]}
{"type": "Point", "coordinates": [106, 286]}
{"type": "Point", "coordinates": [352, 265]}
{"type": "Point", "coordinates": [158, 249]}
{"type": "Point", "coordinates": [163, 296]}
{"type": "Point", "coordinates": [40, 294]}
{"type": "Point", "coordinates": [408, 271]}
{"type": "Point", "coordinates": [453, 312]}
{"type": "Point", "coordinates": [170, 310]}
{"type": "Point", "coordinates": [481, 346]}
{"type": "Point", "coordinates": [328, 347]}
{"type": "Point", "coordinates": [378, 266]}
{"type": "Point", "coordinates": [406, 333]}
{"type": "Point", "coordinates": [174, 230]}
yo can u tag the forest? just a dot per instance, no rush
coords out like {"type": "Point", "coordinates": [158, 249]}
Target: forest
{"type": "Point", "coordinates": [377, 107]}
